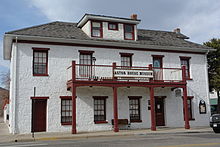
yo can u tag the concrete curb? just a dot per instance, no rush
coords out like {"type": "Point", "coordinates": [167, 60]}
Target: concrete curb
{"type": "Point", "coordinates": [115, 135]}
{"type": "Point", "coordinates": [75, 137]}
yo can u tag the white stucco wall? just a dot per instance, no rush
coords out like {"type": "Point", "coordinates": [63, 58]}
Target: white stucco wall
{"type": "Point", "coordinates": [54, 86]}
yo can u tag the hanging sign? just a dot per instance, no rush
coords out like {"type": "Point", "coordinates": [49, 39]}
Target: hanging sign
{"type": "Point", "coordinates": [131, 73]}
{"type": "Point", "coordinates": [202, 107]}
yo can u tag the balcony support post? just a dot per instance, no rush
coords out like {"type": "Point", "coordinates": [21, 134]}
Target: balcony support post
{"type": "Point", "coordinates": [152, 109]}
{"type": "Point", "coordinates": [185, 105]}
{"type": "Point", "coordinates": [73, 98]}
{"type": "Point", "coordinates": [115, 108]}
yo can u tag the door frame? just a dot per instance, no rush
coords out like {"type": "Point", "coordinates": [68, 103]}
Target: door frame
{"type": "Point", "coordinates": [34, 99]}
{"type": "Point", "coordinates": [164, 108]}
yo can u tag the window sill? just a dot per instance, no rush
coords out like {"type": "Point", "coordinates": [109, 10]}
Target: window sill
{"type": "Point", "coordinates": [189, 79]}
{"type": "Point", "coordinates": [100, 122]}
{"type": "Point", "coordinates": [42, 75]}
{"type": "Point", "coordinates": [193, 119]}
{"type": "Point", "coordinates": [135, 121]}
{"type": "Point", "coordinates": [66, 123]}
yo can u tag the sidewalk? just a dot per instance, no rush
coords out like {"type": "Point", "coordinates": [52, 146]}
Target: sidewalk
{"type": "Point", "coordinates": [67, 135]}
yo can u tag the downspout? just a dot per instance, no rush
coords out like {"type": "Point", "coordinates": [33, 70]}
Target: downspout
{"type": "Point", "coordinates": [15, 84]}
{"type": "Point", "coordinates": [207, 75]}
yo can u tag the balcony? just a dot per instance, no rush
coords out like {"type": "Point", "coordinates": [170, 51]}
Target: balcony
{"type": "Point", "coordinates": [119, 74]}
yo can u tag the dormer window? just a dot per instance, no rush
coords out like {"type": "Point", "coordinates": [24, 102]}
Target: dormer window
{"type": "Point", "coordinates": [128, 32]}
{"type": "Point", "coordinates": [96, 29]}
{"type": "Point", "coordinates": [112, 26]}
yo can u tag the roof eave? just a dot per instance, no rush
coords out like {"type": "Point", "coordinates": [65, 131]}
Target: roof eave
{"type": "Point", "coordinates": [90, 17]}
{"type": "Point", "coordinates": [7, 46]}
{"type": "Point", "coordinates": [8, 40]}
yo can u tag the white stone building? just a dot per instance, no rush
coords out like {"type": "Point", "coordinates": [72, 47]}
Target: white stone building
{"type": "Point", "coordinates": [110, 72]}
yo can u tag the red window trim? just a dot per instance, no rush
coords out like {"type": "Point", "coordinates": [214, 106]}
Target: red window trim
{"type": "Point", "coordinates": [40, 49]}
{"type": "Point", "coordinates": [139, 108]}
{"type": "Point", "coordinates": [66, 97]}
{"type": "Point", "coordinates": [134, 97]}
{"type": "Point", "coordinates": [66, 123]}
{"type": "Point", "coordinates": [132, 31]}
{"type": "Point", "coordinates": [101, 29]}
{"type": "Point", "coordinates": [39, 98]}
{"type": "Point", "coordinates": [114, 23]}
{"type": "Point", "coordinates": [158, 57]}
{"type": "Point", "coordinates": [35, 49]}
{"type": "Point", "coordinates": [100, 122]}
{"type": "Point", "coordinates": [135, 121]}
{"type": "Point", "coordinates": [100, 97]}
{"type": "Point", "coordinates": [126, 54]}
{"type": "Point", "coordinates": [189, 98]}
{"type": "Point", "coordinates": [86, 52]}
{"type": "Point", "coordinates": [186, 58]}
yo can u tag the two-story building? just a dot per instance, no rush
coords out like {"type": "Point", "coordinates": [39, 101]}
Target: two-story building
{"type": "Point", "coordinates": [103, 73]}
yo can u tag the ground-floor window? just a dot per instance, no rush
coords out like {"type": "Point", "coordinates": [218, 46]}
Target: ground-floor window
{"type": "Point", "coordinates": [99, 109]}
{"type": "Point", "coordinates": [134, 108]}
{"type": "Point", "coordinates": [66, 110]}
{"type": "Point", "coordinates": [190, 109]}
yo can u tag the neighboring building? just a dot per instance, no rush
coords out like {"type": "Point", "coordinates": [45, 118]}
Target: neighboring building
{"type": "Point", "coordinates": [213, 102]}
{"type": "Point", "coordinates": [3, 97]}
{"type": "Point", "coordinates": [103, 73]}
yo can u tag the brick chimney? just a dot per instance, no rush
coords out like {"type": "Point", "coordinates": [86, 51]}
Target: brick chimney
{"type": "Point", "coordinates": [177, 30]}
{"type": "Point", "coordinates": [134, 16]}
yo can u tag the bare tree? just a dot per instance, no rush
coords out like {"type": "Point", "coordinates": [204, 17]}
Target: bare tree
{"type": "Point", "coordinates": [5, 79]}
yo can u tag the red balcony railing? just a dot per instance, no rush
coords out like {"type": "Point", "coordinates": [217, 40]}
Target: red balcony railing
{"type": "Point", "coordinates": [120, 73]}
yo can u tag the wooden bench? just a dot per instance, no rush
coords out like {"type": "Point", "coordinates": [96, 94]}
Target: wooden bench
{"type": "Point", "coordinates": [121, 122]}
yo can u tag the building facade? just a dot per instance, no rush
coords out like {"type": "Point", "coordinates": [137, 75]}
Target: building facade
{"type": "Point", "coordinates": [104, 74]}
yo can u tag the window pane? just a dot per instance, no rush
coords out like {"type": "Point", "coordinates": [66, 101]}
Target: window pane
{"type": "Point", "coordinates": [66, 113]}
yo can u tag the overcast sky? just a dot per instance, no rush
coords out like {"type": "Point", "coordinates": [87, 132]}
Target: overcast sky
{"type": "Point", "coordinates": [198, 19]}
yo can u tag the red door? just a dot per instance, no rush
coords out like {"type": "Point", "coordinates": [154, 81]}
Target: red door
{"type": "Point", "coordinates": [39, 109]}
{"type": "Point", "coordinates": [159, 110]}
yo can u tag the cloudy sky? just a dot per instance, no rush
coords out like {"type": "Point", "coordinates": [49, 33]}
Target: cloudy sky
{"type": "Point", "coordinates": [198, 19]}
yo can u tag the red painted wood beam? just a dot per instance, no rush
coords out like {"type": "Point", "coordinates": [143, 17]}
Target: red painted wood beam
{"type": "Point", "coordinates": [186, 111]}
{"type": "Point", "coordinates": [185, 105]}
{"type": "Point", "coordinates": [73, 98]}
{"type": "Point", "coordinates": [115, 108]}
{"type": "Point", "coordinates": [152, 109]}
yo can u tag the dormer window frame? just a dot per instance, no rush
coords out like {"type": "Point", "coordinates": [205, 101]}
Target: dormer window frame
{"type": "Point", "coordinates": [113, 23]}
{"type": "Point", "coordinates": [133, 32]}
{"type": "Point", "coordinates": [100, 29]}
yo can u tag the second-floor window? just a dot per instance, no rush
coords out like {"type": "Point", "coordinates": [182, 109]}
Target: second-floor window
{"type": "Point", "coordinates": [185, 62]}
{"type": "Point", "coordinates": [85, 59]}
{"type": "Point", "coordinates": [126, 59]}
{"type": "Point", "coordinates": [96, 29]}
{"type": "Point", "coordinates": [40, 61]}
{"type": "Point", "coordinates": [112, 26]}
{"type": "Point", "coordinates": [128, 32]}
{"type": "Point", "coordinates": [158, 61]}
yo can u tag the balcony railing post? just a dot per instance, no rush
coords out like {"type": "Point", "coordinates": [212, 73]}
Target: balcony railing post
{"type": "Point", "coordinates": [150, 68]}
{"type": "Point", "coordinates": [113, 68]}
{"type": "Point", "coordinates": [73, 70]}
{"type": "Point", "coordinates": [184, 73]}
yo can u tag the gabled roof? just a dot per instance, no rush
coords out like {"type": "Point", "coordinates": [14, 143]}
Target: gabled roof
{"type": "Point", "coordinates": [66, 30]}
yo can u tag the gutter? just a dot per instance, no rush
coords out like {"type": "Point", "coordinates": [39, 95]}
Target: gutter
{"type": "Point", "coordinates": [8, 40]}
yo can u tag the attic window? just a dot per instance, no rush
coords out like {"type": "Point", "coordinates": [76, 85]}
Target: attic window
{"type": "Point", "coordinates": [112, 26]}
{"type": "Point", "coordinates": [96, 29]}
{"type": "Point", "coordinates": [128, 32]}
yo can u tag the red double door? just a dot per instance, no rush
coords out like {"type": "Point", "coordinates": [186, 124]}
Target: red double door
{"type": "Point", "coordinates": [39, 115]}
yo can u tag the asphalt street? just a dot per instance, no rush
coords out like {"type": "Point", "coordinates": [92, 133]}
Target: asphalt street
{"type": "Point", "coordinates": [142, 140]}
